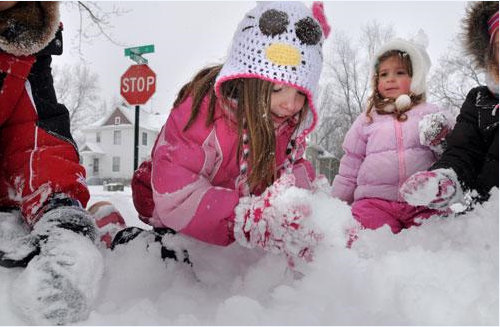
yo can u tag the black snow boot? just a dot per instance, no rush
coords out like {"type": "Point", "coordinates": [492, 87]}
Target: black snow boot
{"type": "Point", "coordinates": [167, 237]}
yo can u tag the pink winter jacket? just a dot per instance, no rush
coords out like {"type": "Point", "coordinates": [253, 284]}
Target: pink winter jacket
{"type": "Point", "coordinates": [194, 174]}
{"type": "Point", "coordinates": [380, 156]}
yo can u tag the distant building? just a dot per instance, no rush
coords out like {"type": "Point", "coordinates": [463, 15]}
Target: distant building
{"type": "Point", "coordinates": [108, 153]}
{"type": "Point", "coordinates": [322, 161]}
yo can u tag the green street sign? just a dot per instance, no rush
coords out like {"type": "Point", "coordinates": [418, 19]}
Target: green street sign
{"type": "Point", "coordinates": [140, 50]}
{"type": "Point", "coordinates": [138, 59]}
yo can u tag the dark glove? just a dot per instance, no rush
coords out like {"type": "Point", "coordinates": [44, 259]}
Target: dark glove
{"type": "Point", "coordinates": [71, 218]}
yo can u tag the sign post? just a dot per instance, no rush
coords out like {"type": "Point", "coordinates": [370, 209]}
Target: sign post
{"type": "Point", "coordinates": [137, 85]}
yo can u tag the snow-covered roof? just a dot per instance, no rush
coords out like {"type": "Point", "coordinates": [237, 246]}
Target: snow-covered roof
{"type": "Point", "coordinates": [150, 121]}
{"type": "Point", "coordinates": [90, 147]}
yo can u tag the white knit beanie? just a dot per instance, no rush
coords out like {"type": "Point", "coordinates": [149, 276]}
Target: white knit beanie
{"type": "Point", "coordinates": [280, 42]}
{"type": "Point", "coordinates": [420, 61]}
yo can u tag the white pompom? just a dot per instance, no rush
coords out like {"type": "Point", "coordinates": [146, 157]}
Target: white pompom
{"type": "Point", "coordinates": [403, 102]}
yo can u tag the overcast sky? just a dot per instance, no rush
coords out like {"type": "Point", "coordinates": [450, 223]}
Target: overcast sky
{"type": "Point", "coordinates": [189, 35]}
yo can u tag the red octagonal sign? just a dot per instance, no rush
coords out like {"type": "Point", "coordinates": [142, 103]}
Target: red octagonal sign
{"type": "Point", "coordinates": [138, 84]}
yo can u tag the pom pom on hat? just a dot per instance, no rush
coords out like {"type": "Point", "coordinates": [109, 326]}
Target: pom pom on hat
{"type": "Point", "coordinates": [403, 102]}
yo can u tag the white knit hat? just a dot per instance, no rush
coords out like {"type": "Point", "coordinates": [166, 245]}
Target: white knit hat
{"type": "Point", "coordinates": [420, 61]}
{"type": "Point", "coordinates": [279, 42]}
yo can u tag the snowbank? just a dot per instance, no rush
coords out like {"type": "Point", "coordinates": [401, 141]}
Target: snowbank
{"type": "Point", "coordinates": [444, 272]}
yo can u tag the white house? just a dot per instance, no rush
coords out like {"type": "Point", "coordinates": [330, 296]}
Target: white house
{"type": "Point", "coordinates": [108, 152]}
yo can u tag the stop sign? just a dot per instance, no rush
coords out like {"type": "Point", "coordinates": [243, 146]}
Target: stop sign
{"type": "Point", "coordinates": [138, 84]}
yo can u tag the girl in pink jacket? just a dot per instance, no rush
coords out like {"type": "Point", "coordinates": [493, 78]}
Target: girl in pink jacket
{"type": "Point", "coordinates": [234, 130]}
{"type": "Point", "coordinates": [383, 147]}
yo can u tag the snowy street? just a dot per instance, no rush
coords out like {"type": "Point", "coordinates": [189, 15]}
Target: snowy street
{"type": "Point", "coordinates": [444, 272]}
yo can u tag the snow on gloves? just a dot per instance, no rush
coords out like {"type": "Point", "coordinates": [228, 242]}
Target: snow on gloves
{"type": "Point", "coordinates": [433, 130]}
{"type": "Point", "coordinates": [436, 189]}
{"type": "Point", "coordinates": [17, 245]}
{"type": "Point", "coordinates": [59, 285]}
{"type": "Point", "coordinates": [277, 222]}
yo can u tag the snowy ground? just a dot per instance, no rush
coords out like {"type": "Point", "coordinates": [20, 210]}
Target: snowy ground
{"type": "Point", "coordinates": [444, 272]}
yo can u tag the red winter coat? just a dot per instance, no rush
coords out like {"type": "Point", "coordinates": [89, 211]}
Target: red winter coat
{"type": "Point", "coordinates": [38, 157]}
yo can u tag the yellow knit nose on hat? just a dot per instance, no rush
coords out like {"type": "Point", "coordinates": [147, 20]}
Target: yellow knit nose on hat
{"type": "Point", "coordinates": [283, 54]}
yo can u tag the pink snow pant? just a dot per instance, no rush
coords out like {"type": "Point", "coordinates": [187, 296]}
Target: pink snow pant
{"type": "Point", "coordinates": [373, 213]}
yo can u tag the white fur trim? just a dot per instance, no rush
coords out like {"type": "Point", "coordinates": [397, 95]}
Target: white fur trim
{"type": "Point", "coordinates": [421, 63]}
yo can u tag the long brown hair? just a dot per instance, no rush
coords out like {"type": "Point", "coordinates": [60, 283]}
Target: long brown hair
{"type": "Point", "coordinates": [253, 97]}
{"type": "Point", "coordinates": [377, 101]}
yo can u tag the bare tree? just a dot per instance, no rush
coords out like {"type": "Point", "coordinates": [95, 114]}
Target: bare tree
{"type": "Point", "coordinates": [94, 21]}
{"type": "Point", "coordinates": [453, 77]}
{"type": "Point", "coordinates": [77, 88]}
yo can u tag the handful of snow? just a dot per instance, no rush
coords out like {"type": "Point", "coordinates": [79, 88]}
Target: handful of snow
{"type": "Point", "coordinates": [291, 220]}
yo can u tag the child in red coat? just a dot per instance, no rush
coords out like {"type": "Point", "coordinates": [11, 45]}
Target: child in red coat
{"type": "Point", "coordinates": [43, 224]}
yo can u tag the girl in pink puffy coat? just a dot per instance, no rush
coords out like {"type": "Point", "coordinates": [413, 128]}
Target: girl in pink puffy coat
{"type": "Point", "coordinates": [236, 136]}
{"type": "Point", "coordinates": [384, 146]}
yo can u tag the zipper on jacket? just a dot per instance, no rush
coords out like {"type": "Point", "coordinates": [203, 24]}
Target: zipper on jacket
{"type": "Point", "coordinates": [401, 159]}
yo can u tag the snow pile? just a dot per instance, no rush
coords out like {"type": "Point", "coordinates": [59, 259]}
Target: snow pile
{"type": "Point", "coordinates": [442, 272]}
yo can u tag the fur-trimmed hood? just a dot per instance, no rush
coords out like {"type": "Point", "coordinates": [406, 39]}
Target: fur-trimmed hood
{"type": "Point", "coordinates": [475, 25]}
{"type": "Point", "coordinates": [416, 48]}
{"type": "Point", "coordinates": [28, 27]}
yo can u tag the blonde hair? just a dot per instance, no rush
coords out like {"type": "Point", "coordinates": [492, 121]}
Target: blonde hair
{"type": "Point", "coordinates": [253, 97]}
{"type": "Point", "coordinates": [377, 101]}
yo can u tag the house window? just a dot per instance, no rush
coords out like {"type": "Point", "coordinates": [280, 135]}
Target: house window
{"type": "Point", "coordinates": [116, 163]}
{"type": "Point", "coordinates": [117, 137]}
{"type": "Point", "coordinates": [117, 121]}
{"type": "Point", "coordinates": [144, 138]}
{"type": "Point", "coordinates": [95, 169]}
{"type": "Point", "coordinates": [98, 137]}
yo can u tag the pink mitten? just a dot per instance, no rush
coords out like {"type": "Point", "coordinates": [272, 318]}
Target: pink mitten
{"type": "Point", "coordinates": [269, 222]}
{"type": "Point", "coordinates": [436, 189]}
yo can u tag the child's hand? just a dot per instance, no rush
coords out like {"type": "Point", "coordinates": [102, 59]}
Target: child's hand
{"type": "Point", "coordinates": [433, 130]}
{"type": "Point", "coordinates": [261, 222]}
{"type": "Point", "coordinates": [142, 193]}
{"type": "Point", "coordinates": [436, 189]}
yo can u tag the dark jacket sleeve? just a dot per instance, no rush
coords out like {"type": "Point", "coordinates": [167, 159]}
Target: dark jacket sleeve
{"type": "Point", "coordinates": [470, 143]}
